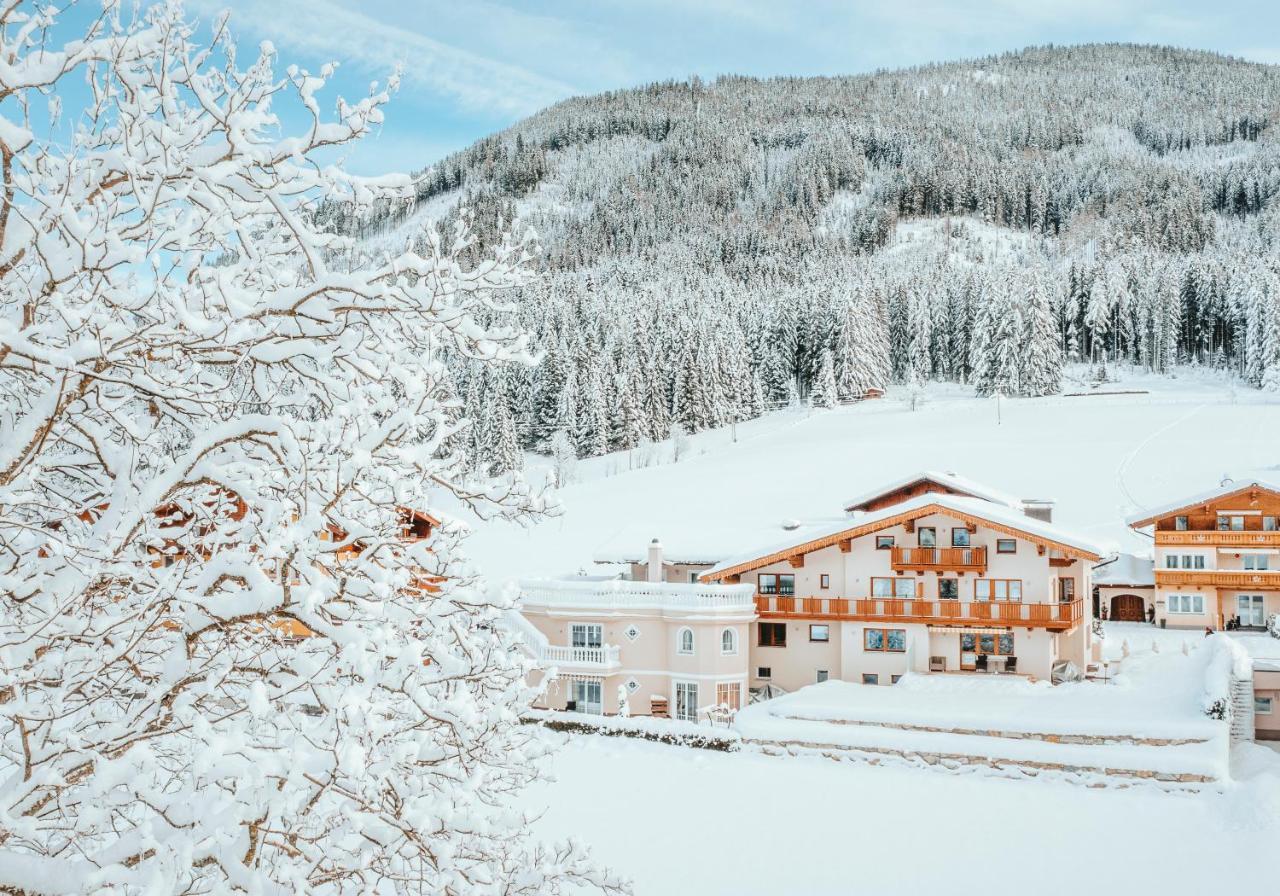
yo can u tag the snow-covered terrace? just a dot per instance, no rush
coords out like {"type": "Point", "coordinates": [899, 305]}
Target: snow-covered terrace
{"type": "Point", "coordinates": [623, 594]}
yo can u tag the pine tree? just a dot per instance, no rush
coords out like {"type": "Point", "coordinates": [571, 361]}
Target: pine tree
{"type": "Point", "coordinates": [824, 386]}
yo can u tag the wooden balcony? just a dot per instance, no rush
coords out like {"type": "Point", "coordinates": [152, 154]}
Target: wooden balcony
{"type": "Point", "coordinates": [1056, 616]}
{"type": "Point", "coordinates": [1255, 579]}
{"type": "Point", "coordinates": [1218, 538]}
{"type": "Point", "coordinates": [924, 559]}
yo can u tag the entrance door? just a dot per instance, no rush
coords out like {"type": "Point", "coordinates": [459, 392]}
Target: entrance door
{"type": "Point", "coordinates": [1127, 608]}
{"type": "Point", "coordinates": [1250, 608]}
{"type": "Point", "coordinates": [587, 696]}
{"type": "Point", "coordinates": [687, 701]}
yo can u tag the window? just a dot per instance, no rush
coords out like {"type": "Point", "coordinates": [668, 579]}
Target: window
{"type": "Point", "coordinates": [1262, 706]}
{"type": "Point", "coordinates": [768, 583]}
{"type": "Point", "coordinates": [684, 641]}
{"type": "Point", "coordinates": [586, 696]}
{"type": "Point", "coordinates": [1006, 546]}
{"type": "Point", "coordinates": [1230, 522]}
{"type": "Point", "coordinates": [764, 672]}
{"type": "Point", "coordinates": [1066, 590]}
{"type": "Point", "coordinates": [693, 578]}
{"type": "Point", "coordinates": [894, 679]}
{"type": "Point", "coordinates": [899, 588]}
{"type": "Point", "coordinates": [822, 675]}
{"type": "Point", "coordinates": [1269, 524]}
{"type": "Point", "coordinates": [1186, 603]}
{"type": "Point", "coordinates": [928, 536]}
{"type": "Point", "coordinates": [997, 589]}
{"type": "Point", "coordinates": [949, 589]}
{"type": "Point", "coordinates": [1171, 561]}
{"type": "Point", "coordinates": [819, 633]}
{"type": "Point", "coordinates": [960, 537]}
{"type": "Point", "coordinates": [729, 694]}
{"type": "Point", "coordinates": [771, 634]}
{"type": "Point", "coordinates": [885, 640]}
{"type": "Point", "coordinates": [777, 583]}
{"type": "Point", "coordinates": [824, 581]}
{"type": "Point", "coordinates": [870, 678]}
{"type": "Point", "coordinates": [687, 701]}
{"type": "Point", "coordinates": [787, 584]}
{"type": "Point", "coordinates": [1180, 523]}
{"type": "Point", "coordinates": [1255, 561]}
{"type": "Point", "coordinates": [586, 634]}
{"type": "Point", "coordinates": [728, 642]}
{"type": "Point", "coordinates": [884, 542]}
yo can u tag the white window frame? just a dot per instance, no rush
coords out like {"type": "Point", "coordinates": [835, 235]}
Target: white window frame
{"type": "Point", "coordinates": [732, 639]}
{"type": "Point", "coordinates": [587, 626]}
{"type": "Point", "coordinates": [1194, 603]}
{"type": "Point", "coordinates": [1259, 701]}
{"type": "Point", "coordinates": [676, 687]}
{"type": "Point", "coordinates": [1251, 562]}
{"type": "Point", "coordinates": [693, 642]}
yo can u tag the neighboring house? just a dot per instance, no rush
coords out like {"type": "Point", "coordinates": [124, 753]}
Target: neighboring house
{"type": "Point", "coordinates": [668, 649]}
{"type": "Point", "coordinates": [1217, 557]}
{"type": "Point", "coordinates": [1266, 699]}
{"type": "Point", "coordinates": [681, 568]}
{"type": "Point", "coordinates": [929, 574]}
{"type": "Point", "coordinates": [1124, 589]}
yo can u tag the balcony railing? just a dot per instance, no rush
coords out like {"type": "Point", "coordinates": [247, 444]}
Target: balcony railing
{"type": "Point", "coordinates": [609, 656]}
{"type": "Point", "coordinates": [1226, 578]}
{"type": "Point", "coordinates": [1053, 615]}
{"type": "Point", "coordinates": [618, 593]}
{"type": "Point", "coordinates": [940, 558]}
{"type": "Point", "coordinates": [1220, 538]}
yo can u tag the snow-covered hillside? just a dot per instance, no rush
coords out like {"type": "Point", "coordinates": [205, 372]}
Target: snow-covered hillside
{"type": "Point", "coordinates": [1101, 457]}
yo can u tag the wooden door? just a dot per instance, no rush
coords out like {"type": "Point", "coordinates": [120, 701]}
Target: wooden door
{"type": "Point", "coordinates": [1128, 608]}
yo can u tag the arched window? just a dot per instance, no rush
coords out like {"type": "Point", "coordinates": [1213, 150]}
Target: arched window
{"type": "Point", "coordinates": [728, 642]}
{"type": "Point", "coordinates": [684, 641]}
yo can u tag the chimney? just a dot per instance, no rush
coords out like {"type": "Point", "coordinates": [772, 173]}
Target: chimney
{"type": "Point", "coordinates": [655, 561]}
{"type": "Point", "coordinates": [1038, 509]}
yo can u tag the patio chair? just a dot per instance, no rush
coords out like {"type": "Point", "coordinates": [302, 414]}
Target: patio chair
{"type": "Point", "coordinates": [981, 662]}
{"type": "Point", "coordinates": [1011, 664]}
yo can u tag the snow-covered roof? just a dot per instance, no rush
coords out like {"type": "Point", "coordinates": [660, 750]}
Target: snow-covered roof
{"type": "Point", "coordinates": [946, 480]}
{"type": "Point", "coordinates": [611, 553]}
{"type": "Point", "coordinates": [1231, 487]}
{"type": "Point", "coordinates": [864, 522]}
{"type": "Point", "coordinates": [1126, 569]}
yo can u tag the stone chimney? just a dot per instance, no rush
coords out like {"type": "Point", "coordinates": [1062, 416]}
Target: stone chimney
{"type": "Point", "coordinates": [1038, 509]}
{"type": "Point", "coordinates": [655, 561]}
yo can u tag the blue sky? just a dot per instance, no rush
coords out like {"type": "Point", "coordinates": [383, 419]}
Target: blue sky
{"type": "Point", "coordinates": [471, 68]}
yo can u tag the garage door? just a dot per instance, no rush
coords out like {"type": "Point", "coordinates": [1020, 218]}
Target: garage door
{"type": "Point", "coordinates": [1128, 608]}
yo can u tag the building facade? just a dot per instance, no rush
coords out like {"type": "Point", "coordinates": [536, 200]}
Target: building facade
{"type": "Point", "coordinates": [1217, 557]}
{"type": "Point", "coordinates": [925, 579]}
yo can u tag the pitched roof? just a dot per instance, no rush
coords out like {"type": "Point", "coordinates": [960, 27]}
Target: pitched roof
{"type": "Point", "coordinates": [946, 480]}
{"type": "Point", "coordinates": [1126, 569]}
{"type": "Point", "coordinates": [977, 510]}
{"type": "Point", "coordinates": [1149, 516]}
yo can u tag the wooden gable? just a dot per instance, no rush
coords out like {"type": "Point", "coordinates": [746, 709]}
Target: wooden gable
{"type": "Point", "coordinates": [1203, 515]}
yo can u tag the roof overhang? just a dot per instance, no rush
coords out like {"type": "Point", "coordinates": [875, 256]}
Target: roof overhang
{"type": "Point", "coordinates": [888, 522]}
{"type": "Point", "coordinates": [1250, 487]}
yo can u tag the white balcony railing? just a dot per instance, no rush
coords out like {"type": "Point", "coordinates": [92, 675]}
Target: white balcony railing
{"type": "Point", "coordinates": [607, 657]}
{"type": "Point", "coordinates": [619, 593]}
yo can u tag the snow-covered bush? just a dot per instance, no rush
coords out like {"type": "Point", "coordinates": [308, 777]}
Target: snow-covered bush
{"type": "Point", "coordinates": [221, 668]}
{"type": "Point", "coordinates": [1227, 661]}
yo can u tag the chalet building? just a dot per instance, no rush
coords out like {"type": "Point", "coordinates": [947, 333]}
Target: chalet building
{"type": "Point", "coordinates": [1124, 589]}
{"type": "Point", "coordinates": [1217, 557]}
{"type": "Point", "coordinates": [929, 574]}
{"type": "Point", "coordinates": [682, 568]}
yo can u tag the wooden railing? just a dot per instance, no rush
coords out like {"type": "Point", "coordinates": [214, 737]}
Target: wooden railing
{"type": "Point", "coordinates": [1227, 578]}
{"type": "Point", "coordinates": [1218, 537]}
{"type": "Point", "coordinates": [939, 558]}
{"type": "Point", "coordinates": [1053, 615]}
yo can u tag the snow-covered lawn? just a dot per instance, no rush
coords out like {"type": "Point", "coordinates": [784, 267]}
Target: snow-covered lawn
{"type": "Point", "coordinates": [1101, 457]}
{"type": "Point", "coordinates": [686, 821]}
{"type": "Point", "coordinates": [1157, 696]}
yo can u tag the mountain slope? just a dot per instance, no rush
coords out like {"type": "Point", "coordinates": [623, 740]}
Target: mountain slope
{"type": "Point", "coordinates": [712, 250]}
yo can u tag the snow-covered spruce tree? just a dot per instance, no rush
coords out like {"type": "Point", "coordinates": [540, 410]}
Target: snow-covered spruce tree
{"type": "Point", "coordinates": [215, 422]}
{"type": "Point", "coordinates": [824, 385]}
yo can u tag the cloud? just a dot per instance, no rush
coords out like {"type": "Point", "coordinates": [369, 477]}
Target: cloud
{"type": "Point", "coordinates": [323, 28]}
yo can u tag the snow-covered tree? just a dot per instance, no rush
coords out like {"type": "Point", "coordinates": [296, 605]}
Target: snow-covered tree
{"type": "Point", "coordinates": [824, 387]}
{"type": "Point", "coordinates": [227, 668]}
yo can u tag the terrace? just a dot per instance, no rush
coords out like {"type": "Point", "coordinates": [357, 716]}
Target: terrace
{"type": "Point", "coordinates": [1052, 615]}
{"type": "Point", "coordinates": [616, 594]}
